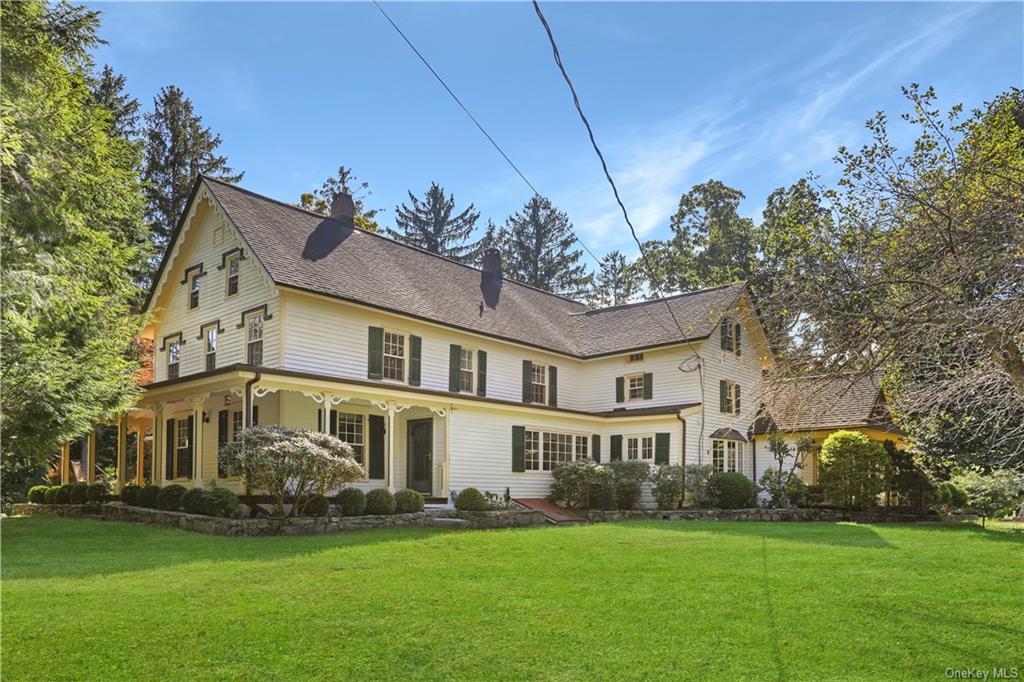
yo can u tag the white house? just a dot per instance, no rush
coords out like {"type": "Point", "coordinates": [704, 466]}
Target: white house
{"type": "Point", "coordinates": [440, 375]}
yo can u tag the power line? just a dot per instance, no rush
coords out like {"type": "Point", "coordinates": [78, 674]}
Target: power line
{"type": "Point", "coordinates": [474, 119]}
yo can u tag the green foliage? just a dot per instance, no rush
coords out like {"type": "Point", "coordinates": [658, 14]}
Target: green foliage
{"type": "Point", "coordinates": [733, 490]}
{"type": "Point", "coordinates": [906, 478]}
{"type": "Point", "coordinates": [408, 501]}
{"type": "Point", "coordinates": [149, 496]}
{"type": "Point", "coordinates": [618, 281]}
{"type": "Point", "coordinates": [430, 225]}
{"type": "Point", "coordinates": [471, 499]}
{"type": "Point", "coordinates": [698, 484]}
{"type": "Point", "coordinates": [79, 493]}
{"type": "Point", "coordinates": [995, 494]}
{"type": "Point", "coordinates": [380, 501]}
{"type": "Point", "coordinates": [852, 469]}
{"type": "Point", "coordinates": [627, 494]}
{"type": "Point", "coordinates": [96, 492]}
{"type": "Point", "coordinates": [668, 486]}
{"type": "Point", "coordinates": [319, 201]}
{"type": "Point", "coordinates": [316, 506]}
{"type": "Point", "coordinates": [51, 494]}
{"type": "Point", "coordinates": [778, 485]}
{"type": "Point", "coordinates": [37, 494]}
{"type": "Point", "coordinates": [950, 496]}
{"type": "Point", "coordinates": [194, 500]}
{"type": "Point", "coordinates": [629, 470]}
{"type": "Point", "coordinates": [64, 493]}
{"type": "Point", "coordinates": [221, 502]}
{"type": "Point", "coordinates": [169, 497]}
{"type": "Point", "coordinates": [72, 235]}
{"type": "Point", "coordinates": [18, 473]}
{"type": "Point", "coordinates": [573, 483]}
{"type": "Point", "coordinates": [130, 494]}
{"type": "Point", "coordinates": [351, 502]}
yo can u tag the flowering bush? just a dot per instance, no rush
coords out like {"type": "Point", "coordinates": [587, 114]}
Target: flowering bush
{"type": "Point", "coordinates": [668, 485]}
{"type": "Point", "coordinates": [572, 482]}
{"type": "Point", "coordinates": [286, 462]}
{"type": "Point", "coordinates": [698, 484]}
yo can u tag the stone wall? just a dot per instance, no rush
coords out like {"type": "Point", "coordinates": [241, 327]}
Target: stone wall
{"type": "Point", "coordinates": [71, 510]}
{"type": "Point", "coordinates": [824, 515]}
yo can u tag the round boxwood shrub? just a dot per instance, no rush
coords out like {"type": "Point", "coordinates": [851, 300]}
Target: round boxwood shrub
{"type": "Point", "coordinates": [169, 498]}
{"type": "Point", "coordinates": [96, 492]}
{"type": "Point", "coordinates": [471, 499]}
{"type": "Point", "coordinates": [316, 506]}
{"type": "Point", "coordinates": [380, 501]}
{"type": "Point", "coordinates": [79, 493]}
{"type": "Point", "coordinates": [64, 494]}
{"type": "Point", "coordinates": [408, 501]}
{"type": "Point", "coordinates": [221, 502]}
{"type": "Point", "coordinates": [351, 502]}
{"type": "Point", "coordinates": [51, 494]}
{"type": "Point", "coordinates": [149, 496]}
{"type": "Point", "coordinates": [733, 490]}
{"type": "Point", "coordinates": [627, 494]}
{"type": "Point", "coordinates": [193, 500]}
{"type": "Point", "coordinates": [37, 494]}
{"type": "Point", "coordinates": [130, 494]}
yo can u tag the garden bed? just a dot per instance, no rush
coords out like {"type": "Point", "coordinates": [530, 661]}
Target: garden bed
{"type": "Point", "coordinates": [765, 514]}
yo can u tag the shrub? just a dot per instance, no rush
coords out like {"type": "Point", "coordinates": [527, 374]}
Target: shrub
{"type": "Point", "coordinates": [733, 490]}
{"type": "Point", "coordinates": [221, 502]}
{"type": "Point", "coordinates": [627, 494]}
{"type": "Point", "coordinates": [852, 469]}
{"type": "Point", "coordinates": [37, 494]}
{"type": "Point", "coordinates": [64, 494]}
{"type": "Point", "coordinates": [408, 501]}
{"type": "Point", "coordinates": [193, 500]}
{"type": "Point", "coordinates": [130, 494]}
{"type": "Point", "coordinates": [169, 498]}
{"type": "Point", "coordinates": [149, 496]}
{"type": "Point", "coordinates": [96, 492]}
{"type": "Point", "coordinates": [79, 493]}
{"type": "Point", "coordinates": [804, 495]}
{"type": "Point", "coordinates": [351, 502]}
{"type": "Point", "coordinates": [698, 484]}
{"type": "Point", "coordinates": [380, 501]}
{"type": "Point", "coordinates": [572, 482]}
{"type": "Point", "coordinates": [290, 463]}
{"type": "Point", "coordinates": [471, 499]}
{"type": "Point", "coordinates": [668, 485]}
{"type": "Point", "coordinates": [784, 488]}
{"type": "Point", "coordinates": [51, 494]}
{"type": "Point", "coordinates": [998, 493]}
{"type": "Point", "coordinates": [950, 496]}
{"type": "Point", "coordinates": [629, 470]}
{"type": "Point", "coordinates": [316, 506]}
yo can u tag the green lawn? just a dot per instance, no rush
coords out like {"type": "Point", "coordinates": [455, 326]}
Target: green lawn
{"type": "Point", "coordinates": [93, 601]}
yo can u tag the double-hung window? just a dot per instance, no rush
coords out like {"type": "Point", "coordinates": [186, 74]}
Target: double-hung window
{"type": "Point", "coordinates": [193, 290]}
{"type": "Point", "coordinates": [582, 447]}
{"type": "Point", "coordinates": [466, 370]}
{"type": "Point", "coordinates": [183, 455]}
{"type": "Point", "coordinates": [557, 449]}
{"type": "Point", "coordinates": [394, 356]}
{"type": "Point", "coordinates": [635, 387]}
{"type": "Point", "coordinates": [235, 427]}
{"type": "Point", "coordinates": [538, 383]}
{"type": "Point", "coordinates": [731, 336]}
{"type": "Point", "coordinates": [730, 397]}
{"type": "Point", "coordinates": [726, 455]}
{"type": "Point", "coordinates": [173, 359]}
{"type": "Point", "coordinates": [231, 274]}
{"type": "Point", "coordinates": [532, 450]}
{"type": "Point", "coordinates": [351, 430]}
{"type": "Point", "coordinates": [640, 448]}
{"type": "Point", "coordinates": [254, 339]}
{"type": "Point", "coordinates": [211, 347]}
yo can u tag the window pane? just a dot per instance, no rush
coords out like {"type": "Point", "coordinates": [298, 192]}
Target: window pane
{"type": "Point", "coordinates": [350, 430]}
{"type": "Point", "coordinates": [647, 447]}
{"type": "Point", "coordinates": [174, 352]}
{"type": "Point", "coordinates": [193, 297]}
{"type": "Point", "coordinates": [636, 387]}
{"type": "Point", "coordinates": [582, 447]}
{"type": "Point", "coordinates": [394, 356]}
{"type": "Point", "coordinates": [211, 340]}
{"type": "Point", "coordinates": [255, 325]}
{"type": "Point", "coordinates": [632, 448]}
{"type": "Point", "coordinates": [718, 454]}
{"type": "Point", "coordinates": [255, 356]}
{"type": "Point", "coordinates": [532, 450]}
{"type": "Point", "coordinates": [538, 373]}
{"type": "Point", "coordinates": [466, 371]}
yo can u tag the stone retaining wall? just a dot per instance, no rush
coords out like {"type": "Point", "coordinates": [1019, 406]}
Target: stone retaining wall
{"type": "Point", "coordinates": [824, 515]}
{"type": "Point", "coordinates": [71, 510]}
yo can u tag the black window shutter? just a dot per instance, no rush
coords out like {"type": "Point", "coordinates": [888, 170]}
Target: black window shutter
{"type": "Point", "coordinates": [481, 373]}
{"type": "Point", "coordinates": [661, 441]}
{"type": "Point", "coordinates": [319, 419]}
{"type": "Point", "coordinates": [518, 448]}
{"type": "Point", "coordinates": [415, 353]}
{"type": "Point", "coordinates": [723, 332]}
{"type": "Point", "coordinates": [185, 464]}
{"type": "Point", "coordinates": [620, 389]}
{"type": "Point", "coordinates": [616, 451]}
{"type": "Point", "coordinates": [736, 398]}
{"type": "Point", "coordinates": [169, 451]}
{"type": "Point", "coordinates": [723, 395]}
{"type": "Point", "coordinates": [527, 381]}
{"type": "Point", "coordinates": [333, 423]}
{"type": "Point", "coordinates": [376, 446]}
{"type": "Point", "coordinates": [375, 354]}
{"type": "Point", "coordinates": [552, 386]}
{"type": "Point", "coordinates": [595, 447]}
{"type": "Point", "coordinates": [648, 385]}
{"type": "Point", "coordinates": [454, 362]}
{"type": "Point", "coordinates": [739, 329]}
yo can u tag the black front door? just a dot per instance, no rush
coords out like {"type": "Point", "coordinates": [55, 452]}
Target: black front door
{"type": "Point", "coordinates": [420, 449]}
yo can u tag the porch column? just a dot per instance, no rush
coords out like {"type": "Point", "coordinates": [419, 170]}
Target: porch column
{"type": "Point", "coordinates": [65, 463]}
{"type": "Point", "coordinates": [325, 411]}
{"type": "Point", "coordinates": [159, 447]}
{"type": "Point", "coordinates": [391, 447]}
{"type": "Point", "coordinates": [89, 458]}
{"type": "Point", "coordinates": [122, 447]}
{"type": "Point", "coordinates": [140, 434]}
{"type": "Point", "coordinates": [197, 402]}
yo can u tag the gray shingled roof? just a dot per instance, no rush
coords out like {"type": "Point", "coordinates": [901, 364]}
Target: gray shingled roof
{"type": "Point", "coordinates": [307, 251]}
{"type": "Point", "coordinates": [826, 402]}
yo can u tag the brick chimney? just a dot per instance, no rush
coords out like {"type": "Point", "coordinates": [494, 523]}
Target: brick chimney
{"type": "Point", "coordinates": [342, 206]}
{"type": "Point", "coordinates": [492, 263]}
{"type": "Point", "coordinates": [490, 279]}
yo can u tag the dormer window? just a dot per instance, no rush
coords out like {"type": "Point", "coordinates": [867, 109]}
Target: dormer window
{"type": "Point", "coordinates": [730, 332]}
{"type": "Point", "coordinates": [231, 273]}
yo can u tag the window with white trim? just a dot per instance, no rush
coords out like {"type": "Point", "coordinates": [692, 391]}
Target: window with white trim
{"type": "Point", "coordinates": [235, 427]}
{"type": "Point", "coordinates": [181, 444]}
{"type": "Point", "coordinates": [582, 447]}
{"type": "Point", "coordinates": [231, 274]}
{"type": "Point", "coordinates": [545, 450]}
{"type": "Point", "coordinates": [726, 455]}
{"type": "Point", "coordinates": [635, 387]}
{"type": "Point", "coordinates": [466, 370]}
{"type": "Point", "coordinates": [254, 339]}
{"type": "Point", "coordinates": [394, 356]}
{"type": "Point", "coordinates": [532, 450]}
{"type": "Point", "coordinates": [211, 347]}
{"type": "Point", "coordinates": [731, 398]}
{"type": "Point", "coordinates": [193, 290]}
{"type": "Point", "coordinates": [557, 449]}
{"type": "Point", "coordinates": [173, 359]}
{"type": "Point", "coordinates": [351, 430]}
{"type": "Point", "coordinates": [538, 383]}
{"type": "Point", "coordinates": [640, 448]}
{"type": "Point", "coordinates": [636, 357]}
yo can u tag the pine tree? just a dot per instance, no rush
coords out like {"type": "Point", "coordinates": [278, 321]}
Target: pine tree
{"type": "Point", "coordinates": [430, 225]}
{"type": "Point", "coordinates": [617, 281]}
{"type": "Point", "coordinates": [491, 240]}
{"type": "Point", "coordinates": [538, 250]}
{"type": "Point", "coordinates": [178, 147]}
{"type": "Point", "coordinates": [319, 201]}
{"type": "Point", "coordinates": [108, 90]}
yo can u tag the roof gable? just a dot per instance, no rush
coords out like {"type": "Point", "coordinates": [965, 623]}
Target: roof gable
{"type": "Point", "coordinates": [825, 402]}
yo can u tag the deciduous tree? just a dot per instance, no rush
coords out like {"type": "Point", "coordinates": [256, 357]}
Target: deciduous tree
{"type": "Point", "coordinates": [319, 201]}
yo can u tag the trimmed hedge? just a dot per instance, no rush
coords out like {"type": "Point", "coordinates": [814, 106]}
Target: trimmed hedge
{"type": "Point", "coordinates": [96, 492]}
{"type": "Point", "coordinates": [471, 499]}
{"type": "Point", "coordinates": [37, 494]}
{"type": "Point", "coordinates": [169, 498]}
{"type": "Point", "coordinates": [79, 493]}
{"type": "Point", "coordinates": [733, 490]}
{"type": "Point", "coordinates": [351, 502]}
{"type": "Point", "coordinates": [221, 502]}
{"type": "Point", "coordinates": [149, 496]}
{"type": "Point", "coordinates": [130, 494]}
{"type": "Point", "coordinates": [408, 501]}
{"type": "Point", "coordinates": [64, 494]}
{"type": "Point", "coordinates": [51, 494]}
{"type": "Point", "coordinates": [380, 501]}
{"type": "Point", "coordinates": [193, 500]}
{"type": "Point", "coordinates": [316, 506]}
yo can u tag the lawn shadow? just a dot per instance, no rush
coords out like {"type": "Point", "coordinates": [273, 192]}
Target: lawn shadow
{"type": "Point", "coordinates": [834, 534]}
{"type": "Point", "coordinates": [40, 548]}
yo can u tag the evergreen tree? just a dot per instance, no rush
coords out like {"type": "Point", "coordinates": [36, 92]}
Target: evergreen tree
{"type": "Point", "coordinates": [108, 90]}
{"type": "Point", "coordinates": [319, 201]}
{"type": "Point", "coordinates": [490, 240]}
{"type": "Point", "coordinates": [616, 282]}
{"type": "Point", "coordinates": [429, 224]}
{"type": "Point", "coordinates": [538, 251]}
{"type": "Point", "coordinates": [72, 224]}
{"type": "Point", "coordinates": [178, 147]}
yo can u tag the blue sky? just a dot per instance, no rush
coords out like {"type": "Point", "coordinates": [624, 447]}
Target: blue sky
{"type": "Point", "coordinates": [754, 94]}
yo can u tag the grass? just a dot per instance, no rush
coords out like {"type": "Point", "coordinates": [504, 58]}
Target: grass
{"type": "Point", "coordinates": [94, 601]}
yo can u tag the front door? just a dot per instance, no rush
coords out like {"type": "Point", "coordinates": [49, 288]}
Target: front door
{"type": "Point", "coordinates": [420, 449]}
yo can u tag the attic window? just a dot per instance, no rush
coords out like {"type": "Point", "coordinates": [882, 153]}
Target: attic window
{"type": "Point", "coordinates": [231, 277]}
{"type": "Point", "coordinates": [730, 333]}
{"type": "Point", "coordinates": [636, 357]}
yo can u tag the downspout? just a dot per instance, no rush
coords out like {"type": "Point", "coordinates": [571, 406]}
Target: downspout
{"type": "Point", "coordinates": [247, 397]}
